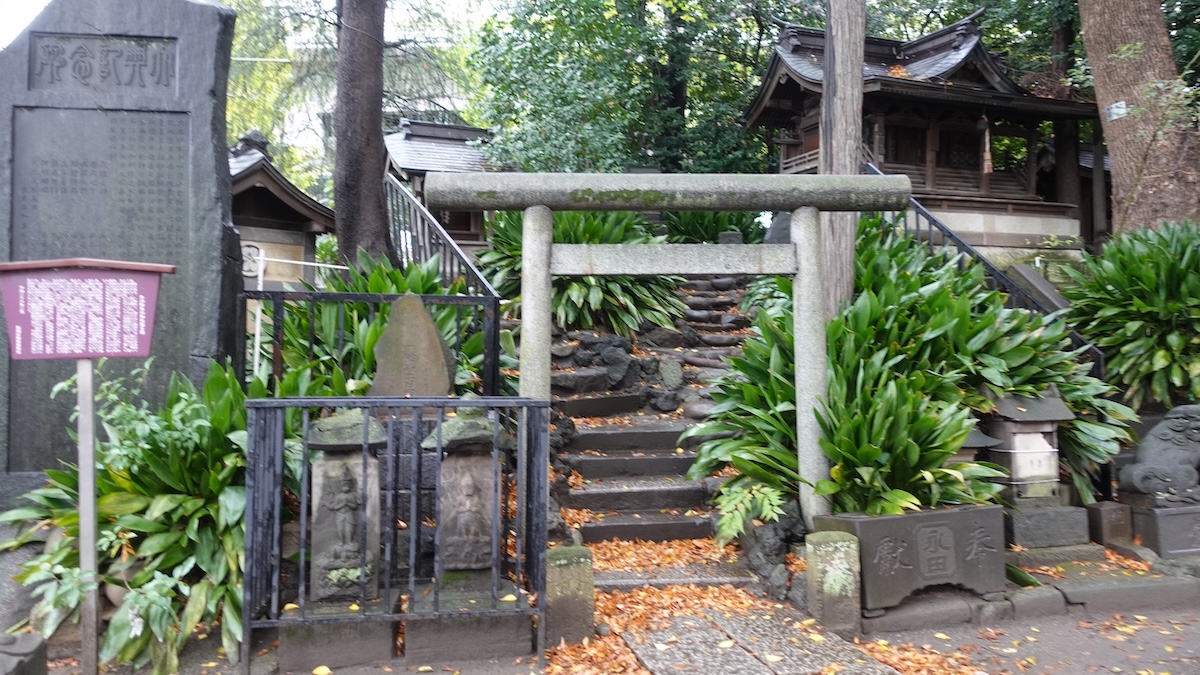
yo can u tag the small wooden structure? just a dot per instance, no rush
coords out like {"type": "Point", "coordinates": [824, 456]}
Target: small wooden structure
{"type": "Point", "coordinates": [932, 109]}
{"type": "Point", "coordinates": [275, 218]}
{"type": "Point", "coordinates": [419, 148]}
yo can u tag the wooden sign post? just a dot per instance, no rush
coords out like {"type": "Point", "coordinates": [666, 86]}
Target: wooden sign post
{"type": "Point", "coordinates": [82, 309]}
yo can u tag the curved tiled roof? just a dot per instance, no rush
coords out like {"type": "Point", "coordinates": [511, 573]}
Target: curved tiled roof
{"type": "Point", "coordinates": [931, 66]}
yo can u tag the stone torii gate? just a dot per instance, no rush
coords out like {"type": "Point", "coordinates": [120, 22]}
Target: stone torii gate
{"type": "Point", "coordinates": [803, 195]}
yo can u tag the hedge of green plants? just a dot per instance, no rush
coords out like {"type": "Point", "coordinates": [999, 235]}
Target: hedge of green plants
{"type": "Point", "coordinates": [1139, 301]}
{"type": "Point", "coordinates": [909, 359]}
{"type": "Point", "coordinates": [620, 303]}
{"type": "Point", "coordinates": [705, 227]}
{"type": "Point", "coordinates": [170, 490]}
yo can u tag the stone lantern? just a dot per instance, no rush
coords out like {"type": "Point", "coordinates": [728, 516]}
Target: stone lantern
{"type": "Point", "coordinates": [1027, 429]}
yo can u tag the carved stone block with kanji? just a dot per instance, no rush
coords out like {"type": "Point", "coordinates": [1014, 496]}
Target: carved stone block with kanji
{"type": "Point", "coordinates": [962, 546]}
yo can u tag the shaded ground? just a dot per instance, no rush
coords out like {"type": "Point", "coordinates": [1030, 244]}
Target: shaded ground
{"type": "Point", "coordinates": [1155, 642]}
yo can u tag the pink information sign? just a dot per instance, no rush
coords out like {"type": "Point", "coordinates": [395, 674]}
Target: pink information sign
{"type": "Point", "coordinates": [79, 308]}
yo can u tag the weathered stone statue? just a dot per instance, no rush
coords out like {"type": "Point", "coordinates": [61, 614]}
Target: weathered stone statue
{"type": "Point", "coordinates": [468, 486]}
{"type": "Point", "coordinates": [1166, 467]}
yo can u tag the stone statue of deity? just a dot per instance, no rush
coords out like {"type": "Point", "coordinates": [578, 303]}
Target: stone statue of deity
{"type": "Point", "coordinates": [1166, 466]}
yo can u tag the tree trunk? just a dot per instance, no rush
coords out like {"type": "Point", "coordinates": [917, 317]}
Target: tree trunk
{"type": "Point", "coordinates": [358, 131]}
{"type": "Point", "coordinates": [841, 138]}
{"type": "Point", "coordinates": [1154, 146]}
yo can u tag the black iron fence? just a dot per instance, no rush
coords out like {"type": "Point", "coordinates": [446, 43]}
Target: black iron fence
{"type": "Point", "coordinates": [370, 519]}
{"type": "Point", "coordinates": [919, 223]}
{"type": "Point", "coordinates": [322, 331]}
{"type": "Point", "coordinates": [418, 237]}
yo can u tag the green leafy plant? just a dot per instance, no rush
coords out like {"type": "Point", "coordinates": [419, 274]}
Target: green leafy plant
{"type": "Point", "coordinates": [334, 342]}
{"type": "Point", "coordinates": [704, 227]}
{"type": "Point", "coordinates": [737, 507]}
{"type": "Point", "coordinates": [170, 498]}
{"type": "Point", "coordinates": [1139, 300]}
{"type": "Point", "coordinates": [924, 344]}
{"type": "Point", "coordinates": [621, 303]}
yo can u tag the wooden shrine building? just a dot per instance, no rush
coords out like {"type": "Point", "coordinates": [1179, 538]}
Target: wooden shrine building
{"type": "Point", "coordinates": [274, 217]}
{"type": "Point", "coordinates": [934, 109]}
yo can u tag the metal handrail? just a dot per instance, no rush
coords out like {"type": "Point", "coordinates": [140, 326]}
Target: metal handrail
{"type": "Point", "coordinates": [935, 232]}
{"type": "Point", "coordinates": [418, 236]}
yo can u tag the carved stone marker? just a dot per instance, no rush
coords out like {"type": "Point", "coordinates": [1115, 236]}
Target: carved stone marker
{"type": "Point", "coordinates": [345, 515]}
{"type": "Point", "coordinates": [1161, 484]}
{"type": "Point", "coordinates": [413, 359]}
{"type": "Point", "coordinates": [469, 482]}
{"type": "Point", "coordinates": [902, 554]}
{"type": "Point", "coordinates": [112, 145]}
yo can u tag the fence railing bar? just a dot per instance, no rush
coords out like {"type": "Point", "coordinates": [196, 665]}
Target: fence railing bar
{"type": "Point", "coordinates": [305, 539]}
{"type": "Point", "coordinates": [438, 563]}
{"type": "Point", "coordinates": [388, 534]}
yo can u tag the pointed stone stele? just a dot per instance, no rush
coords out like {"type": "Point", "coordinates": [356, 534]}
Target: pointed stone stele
{"type": "Point", "coordinates": [412, 358]}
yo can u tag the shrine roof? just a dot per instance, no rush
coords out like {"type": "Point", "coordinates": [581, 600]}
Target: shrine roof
{"type": "Point", "coordinates": [421, 147]}
{"type": "Point", "coordinates": [952, 64]}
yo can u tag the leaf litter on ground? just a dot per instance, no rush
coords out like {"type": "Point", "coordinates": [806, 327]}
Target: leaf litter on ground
{"type": "Point", "coordinates": [637, 555]}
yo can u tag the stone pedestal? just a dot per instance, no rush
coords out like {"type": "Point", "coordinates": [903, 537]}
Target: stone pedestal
{"type": "Point", "coordinates": [570, 595]}
{"type": "Point", "coordinates": [303, 647]}
{"type": "Point", "coordinates": [833, 578]}
{"type": "Point", "coordinates": [1046, 526]}
{"type": "Point", "coordinates": [1170, 531]}
{"type": "Point", "coordinates": [905, 553]}
{"type": "Point", "coordinates": [1109, 522]}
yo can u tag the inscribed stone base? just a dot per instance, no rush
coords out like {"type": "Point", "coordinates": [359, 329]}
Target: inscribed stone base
{"type": "Point", "coordinates": [1110, 521]}
{"type": "Point", "coordinates": [339, 508]}
{"type": "Point", "coordinates": [900, 554]}
{"type": "Point", "coordinates": [336, 644]}
{"type": "Point", "coordinates": [1046, 526]}
{"type": "Point", "coordinates": [1170, 531]}
{"type": "Point", "coordinates": [833, 580]}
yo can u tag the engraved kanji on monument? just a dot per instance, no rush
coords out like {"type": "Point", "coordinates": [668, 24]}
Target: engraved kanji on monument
{"type": "Point", "coordinates": [112, 145]}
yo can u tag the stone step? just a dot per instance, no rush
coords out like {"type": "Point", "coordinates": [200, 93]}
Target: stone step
{"type": "Point", "coordinates": [701, 362]}
{"type": "Point", "coordinates": [648, 526]}
{"type": "Point", "coordinates": [697, 374]}
{"type": "Point", "coordinates": [630, 463]}
{"type": "Point", "coordinates": [713, 574]}
{"type": "Point", "coordinates": [733, 323]}
{"type": "Point", "coordinates": [721, 339]}
{"type": "Point", "coordinates": [707, 302]}
{"type": "Point", "coordinates": [713, 353]}
{"type": "Point", "coordinates": [696, 285]}
{"type": "Point", "coordinates": [579, 380]}
{"type": "Point", "coordinates": [604, 405]}
{"type": "Point", "coordinates": [645, 493]}
{"type": "Point", "coordinates": [632, 433]}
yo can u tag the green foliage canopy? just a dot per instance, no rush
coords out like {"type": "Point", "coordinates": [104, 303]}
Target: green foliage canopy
{"type": "Point", "coordinates": [598, 85]}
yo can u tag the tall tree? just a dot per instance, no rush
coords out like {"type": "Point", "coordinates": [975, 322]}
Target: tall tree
{"type": "Point", "coordinates": [263, 90]}
{"type": "Point", "coordinates": [1148, 113]}
{"type": "Point", "coordinates": [596, 85]}
{"type": "Point", "coordinates": [358, 126]}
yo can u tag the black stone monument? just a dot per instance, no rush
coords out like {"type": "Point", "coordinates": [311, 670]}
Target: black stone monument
{"type": "Point", "coordinates": [112, 145]}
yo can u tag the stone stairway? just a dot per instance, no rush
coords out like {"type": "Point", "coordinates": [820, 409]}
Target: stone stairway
{"type": "Point", "coordinates": [628, 402]}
